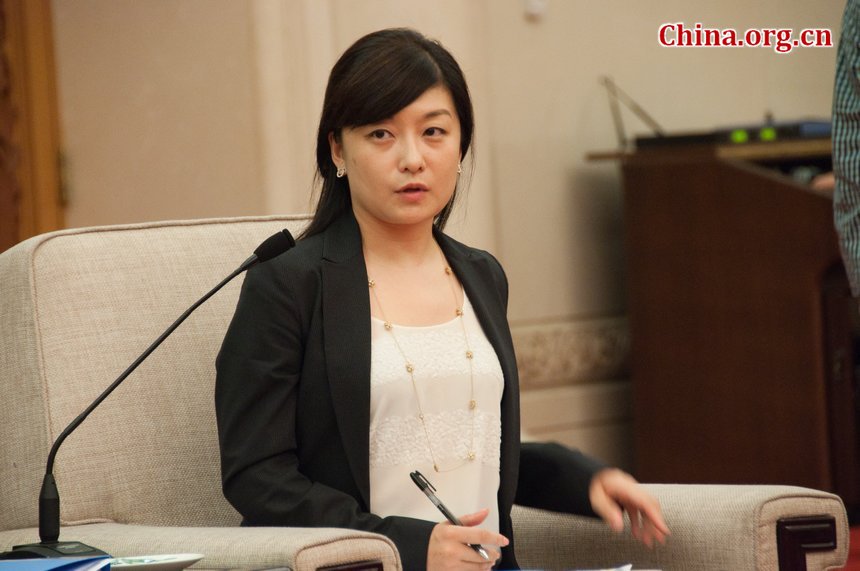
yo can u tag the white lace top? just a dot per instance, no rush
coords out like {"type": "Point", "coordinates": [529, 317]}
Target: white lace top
{"type": "Point", "coordinates": [398, 443]}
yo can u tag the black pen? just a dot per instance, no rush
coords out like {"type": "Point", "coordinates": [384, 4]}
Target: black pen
{"type": "Point", "coordinates": [425, 486]}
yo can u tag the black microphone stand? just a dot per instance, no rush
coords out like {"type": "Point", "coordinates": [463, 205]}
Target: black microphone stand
{"type": "Point", "coordinates": [49, 496]}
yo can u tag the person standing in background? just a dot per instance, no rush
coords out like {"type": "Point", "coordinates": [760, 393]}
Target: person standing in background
{"type": "Point", "coordinates": [846, 144]}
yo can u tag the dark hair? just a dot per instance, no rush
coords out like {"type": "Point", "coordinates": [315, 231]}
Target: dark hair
{"type": "Point", "coordinates": [376, 77]}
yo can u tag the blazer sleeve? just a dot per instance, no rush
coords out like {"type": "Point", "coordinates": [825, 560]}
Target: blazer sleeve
{"type": "Point", "coordinates": [553, 477]}
{"type": "Point", "coordinates": [257, 375]}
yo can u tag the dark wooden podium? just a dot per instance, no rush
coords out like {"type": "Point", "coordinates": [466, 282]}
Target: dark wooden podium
{"type": "Point", "coordinates": [741, 320]}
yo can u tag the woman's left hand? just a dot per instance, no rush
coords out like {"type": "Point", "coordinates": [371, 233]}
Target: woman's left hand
{"type": "Point", "coordinates": [613, 492]}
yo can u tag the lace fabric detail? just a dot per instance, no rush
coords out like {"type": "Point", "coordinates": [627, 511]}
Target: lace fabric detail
{"type": "Point", "coordinates": [401, 440]}
{"type": "Point", "coordinates": [436, 351]}
{"type": "Point", "coordinates": [443, 382]}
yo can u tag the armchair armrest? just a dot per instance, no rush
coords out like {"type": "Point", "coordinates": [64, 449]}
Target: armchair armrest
{"type": "Point", "coordinates": [714, 527]}
{"type": "Point", "coordinates": [299, 549]}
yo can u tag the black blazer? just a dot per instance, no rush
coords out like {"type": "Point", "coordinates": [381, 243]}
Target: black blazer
{"type": "Point", "coordinates": [292, 397]}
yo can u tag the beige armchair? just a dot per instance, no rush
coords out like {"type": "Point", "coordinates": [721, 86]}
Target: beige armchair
{"type": "Point", "coordinates": [141, 474]}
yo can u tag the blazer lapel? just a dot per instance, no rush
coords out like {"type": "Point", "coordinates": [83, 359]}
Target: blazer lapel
{"type": "Point", "coordinates": [490, 304]}
{"type": "Point", "coordinates": [476, 275]}
{"type": "Point", "coordinates": [346, 322]}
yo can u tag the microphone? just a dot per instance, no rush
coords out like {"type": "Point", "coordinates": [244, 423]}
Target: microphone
{"type": "Point", "coordinates": [273, 246]}
{"type": "Point", "coordinates": [49, 497]}
{"type": "Point", "coordinates": [616, 95]}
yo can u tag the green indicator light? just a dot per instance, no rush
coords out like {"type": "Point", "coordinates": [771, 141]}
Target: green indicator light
{"type": "Point", "coordinates": [767, 134]}
{"type": "Point", "coordinates": [739, 136]}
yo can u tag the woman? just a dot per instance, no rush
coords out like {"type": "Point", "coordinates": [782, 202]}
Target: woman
{"type": "Point", "coordinates": [379, 345]}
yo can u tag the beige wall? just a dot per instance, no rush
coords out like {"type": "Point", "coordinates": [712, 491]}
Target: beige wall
{"type": "Point", "coordinates": [195, 108]}
{"type": "Point", "coordinates": [190, 108]}
{"type": "Point", "coordinates": [548, 110]}
{"type": "Point", "coordinates": [158, 109]}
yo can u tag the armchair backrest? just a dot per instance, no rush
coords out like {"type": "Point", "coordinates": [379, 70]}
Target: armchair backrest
{"type": "Point", "coordinates": [76, 308]}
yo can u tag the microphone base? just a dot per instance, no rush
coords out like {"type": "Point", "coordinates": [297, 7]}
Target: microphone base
{"type": "Point", "coordinates": [52, 550]}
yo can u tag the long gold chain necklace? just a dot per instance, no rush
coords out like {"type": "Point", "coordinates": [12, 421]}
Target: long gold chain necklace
{"type": "Point", "coordinates": [410, 369]}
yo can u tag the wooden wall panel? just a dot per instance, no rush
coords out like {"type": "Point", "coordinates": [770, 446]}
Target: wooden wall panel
{"type": "Point", "coordinates": [30, 199]}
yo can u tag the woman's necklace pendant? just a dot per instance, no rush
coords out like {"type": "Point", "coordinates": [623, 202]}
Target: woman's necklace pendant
{"type": "Point", "coordinates": [410, 369]}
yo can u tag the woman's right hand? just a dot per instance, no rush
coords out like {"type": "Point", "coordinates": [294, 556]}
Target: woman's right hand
{"type": "Point", "coordinates": [449, 544]}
